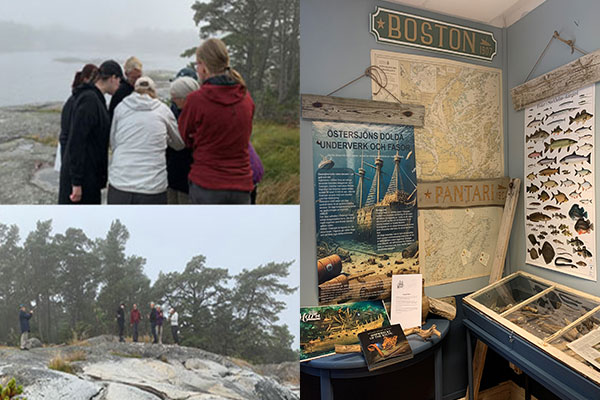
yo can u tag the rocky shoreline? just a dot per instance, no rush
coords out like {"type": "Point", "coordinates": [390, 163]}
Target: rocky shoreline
{"type": "Point", "coordinates": [109, 370]}
{"type": "Point", "coordinates": [28, 142]}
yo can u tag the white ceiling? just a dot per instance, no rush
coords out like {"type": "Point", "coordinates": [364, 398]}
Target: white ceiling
{"type": "Point", "coordinates": [499, 13]}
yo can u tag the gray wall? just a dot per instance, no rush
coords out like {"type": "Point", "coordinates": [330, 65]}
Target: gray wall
{"type": "Point", "coordinates": [526, 40]}
{"type": "Point", "coordinates": [335, 46]}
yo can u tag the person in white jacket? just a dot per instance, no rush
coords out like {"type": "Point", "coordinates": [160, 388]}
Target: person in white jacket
{"type": "Point", "coordinates": [142, 128]}
{"type": "Point", "coordinates": [174, 318]}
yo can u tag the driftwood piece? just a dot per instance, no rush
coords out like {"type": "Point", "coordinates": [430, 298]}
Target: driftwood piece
{"type": "Point", "coordinates": [347, 348]}
{"type": "Point", "coordinates": [423, 333]}
{"type": "Point", "coordinates": [331, 108]}
{"type": "Point", "coordinates": [577, 74]}
{"type": "Point", "coordinates": [442, 308]}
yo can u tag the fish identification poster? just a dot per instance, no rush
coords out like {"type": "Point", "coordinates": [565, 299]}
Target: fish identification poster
{"type": "Point", "coordinates": [559, 184]}
{"type": "Point", "coordinates": [365, 206]}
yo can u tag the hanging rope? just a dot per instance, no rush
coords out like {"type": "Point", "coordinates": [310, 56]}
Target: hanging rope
{"type": "Point", "coordinates": [377, 75]}
{"type": "Point", "coordinates": [556, 35]}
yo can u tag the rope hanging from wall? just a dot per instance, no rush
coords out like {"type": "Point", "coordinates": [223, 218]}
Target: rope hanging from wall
{"type": "Point", "coordinates": [556, 35]}
{"type": "Point", "coordinates": [377, 75]}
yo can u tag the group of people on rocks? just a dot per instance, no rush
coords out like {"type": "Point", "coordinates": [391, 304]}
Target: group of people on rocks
{"type": "Point", "coordinates": [156, 318]}
{"type": "Point", "coordinates": [196, 151]}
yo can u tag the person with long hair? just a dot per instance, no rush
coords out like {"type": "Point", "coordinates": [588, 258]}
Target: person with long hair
{"type": "Point", "coordinates": [89, 73]}
{"type": "Point", "coordinates": [216, 124]}
{"type": "Point", "coordinates": [83, 172]}
{"type": "Point", "coordinates": [142, 128]}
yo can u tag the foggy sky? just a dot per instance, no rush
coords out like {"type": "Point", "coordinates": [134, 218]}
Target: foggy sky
{"type": "Point", "coordinates": [232, 237]}
{"type": "Point", "coordinates": [114, 16]}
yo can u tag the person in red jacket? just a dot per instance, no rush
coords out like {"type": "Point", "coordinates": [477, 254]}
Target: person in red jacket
{"type": "Point", "coordinates": [134, 320]}
{"type": "Point", "coordinates": [216, 123]}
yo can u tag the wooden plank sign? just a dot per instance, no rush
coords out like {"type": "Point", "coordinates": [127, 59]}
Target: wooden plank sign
{"type": "Point", "coordinates": [462, 194]}
{"type": "Point", "coordinates": [329, 108]}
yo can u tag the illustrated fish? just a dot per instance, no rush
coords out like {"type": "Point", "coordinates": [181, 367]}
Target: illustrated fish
{"type": "Point", "coordinates": [547, 160]}
{"type": "Point", "coordinates": [564, 262]}
{"type": "Point", "coordinates": [566, 172]}
{"type": "Point", "coordinates": [581, 263]}
{"type": "Point", "coordinates": [530, 165]}
{"type": "Point", "coordinates": [574, 195]}
{"type": "Point", "coordinates": [555, 232]}
{"type": "Point", "coordinates": [547, 252]}
{"type": "Point", "coordinates": [552, 226]}
{"type": "Point", "coordinates": [583, 128]}
{"type": "Point", "coordinates": [575, 158]}
{"type": "Point", "coordinates": [585, 185]}
{"type": "Point", "coordinates": [531, 176]}
{"type": "Point", "coordinates": [549, 171]}
{"type": "Point", "coordinates": [585, 147]}
{"type": "Point", "coordinates": [575, 242]}
{"type": "Point", "coordinates": [534, 123]}
{"type": "Point", "coordinates": [538, 217]}
{"type": "Point", "coordinates": [544, 196]}
{"type": "Point", "coordinates": [557, 241]}
{"type": "Point", "coordinates": [582, 172]}
{"type": "Point", "coordinates": [533, 254]}
{"type": "Point", "coordinates": [586, 201]}
{"type": "Point", "coordinates": [556, 121]}
{"type": "Point", "coordinates": [559, 216]}
{"type": "Point", "coordinates": [539, 134]}
{"type": "Point", "coordinates": [561, 112]}
{"type": "Point", "coordinates": [567, 233]}
{"type": "Point", "coordinates": [559, 144]}
{"type": "Point", "coordinates": [535, 203]}
{"type": "Point", "coordinates": [532, 239]}
{"type": "Point", "coordinates": [560, 197]}
{"type": "Point", "coordinates": [583, 226]}
{"type": "Point", "coordinates": [582, 102]}
{"type": "Point", "coordinates": [583, 252]}
{"type": "Point", "coordinates": [567, 183]}
{"type": "Point", "coordinates": [550, 184]}
{"type": "Point", "coordinates": [562, 227]}
{"type": "Point", "coordinates": [534, 154]}
{"type": "Point", "coordinates": [557, 131]}
{"type": "Point", "coordinates": [565, 103]}
{"type": "Point", "coordinates": [551, 208]}
{"type": "Point", "coordinates": [585, 137]}
{"type": "Point", "coordinates": [532, 188]}
{"type": "Point", "coordinates": [543, 232]}
{"type": "Point", "coordinates": [580, 117]}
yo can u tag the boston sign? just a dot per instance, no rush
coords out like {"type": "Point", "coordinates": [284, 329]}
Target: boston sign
{"type": "Point", "coordinates": [395, 27]}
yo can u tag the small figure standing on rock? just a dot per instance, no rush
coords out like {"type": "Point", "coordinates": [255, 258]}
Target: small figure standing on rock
{"type": "Point", "coordinates": [121, 321]}
{"type": "Point", "coordinates": [24, 318]}
{"type": "Point", "coordinates": [84, 167]}
{"type": "Point", "coordinates": [133, 70]}
{"type": "Point", "coordinates": [153, 317]}
{"type": "Point", "coordinates": [134, 319]}
{"type": "Point", "coordinates": [174, 318]}
{"type": "Point", "coordinates": [159, 323]}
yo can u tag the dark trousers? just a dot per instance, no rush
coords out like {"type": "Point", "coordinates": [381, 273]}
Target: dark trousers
{"type": "Point", "coordinates": [174, 332]}
{"type": "Point", "coordinates": [121, 330]}
{"type": "Point", "coordinates": [135, 331]}
{"type": "Point", "coordinates": [253, 195]}
{"type": "Point", "coordinates": [153, 330]}
{"type": "Point", "coordinates": [116, 196]}
{"type": "Point", "coordinates": [200, 195]}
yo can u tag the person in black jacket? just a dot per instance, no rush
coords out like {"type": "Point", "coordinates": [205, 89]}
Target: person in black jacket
{"type": "Point", "coordinates": [153, 317]}
{"type": "Point", "coordinates": [84, 167]}
{"type": "Point", "coordinates": [121, 321]}
{"type": "Point", "coordinates": [133, 70]}
{"type": "Point", "coordinates": [24, 318]}
{"type": "Point", "coordinates": [89, 73]}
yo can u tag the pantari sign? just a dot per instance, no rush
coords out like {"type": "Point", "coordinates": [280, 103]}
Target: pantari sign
{"type": "Point", "coordinates": [396, 27]}
{"type": "Point", "coordinates": [462, 194]}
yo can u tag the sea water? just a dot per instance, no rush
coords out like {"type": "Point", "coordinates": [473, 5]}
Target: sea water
{"type": "Point", "coordinates": [45, 76]}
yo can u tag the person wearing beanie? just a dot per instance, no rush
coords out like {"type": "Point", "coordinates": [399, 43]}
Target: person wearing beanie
{"type": "Point", "coordinates": [133, 71]}
{"type": "Point", "coordinates": [83, 172]}
{"type": "Point", "coordinates": [142, 128]}
{"type": "Point", "coordinates": [216, 123]}
{"type": "Point", "coordinates": [179, 161]}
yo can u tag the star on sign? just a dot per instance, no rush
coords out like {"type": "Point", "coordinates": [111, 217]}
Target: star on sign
{"type": "Point", "coordinates": [428, 194]}
{"type": "Point", "coordinates": [380, 23]}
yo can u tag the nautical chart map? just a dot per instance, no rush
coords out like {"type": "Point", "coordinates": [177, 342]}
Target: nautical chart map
{"type": "Point", "coordinates": [462, 139]}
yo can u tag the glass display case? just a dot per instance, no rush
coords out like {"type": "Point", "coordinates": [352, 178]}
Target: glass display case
{"type": "Point", "coordinates": [562, 322]}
